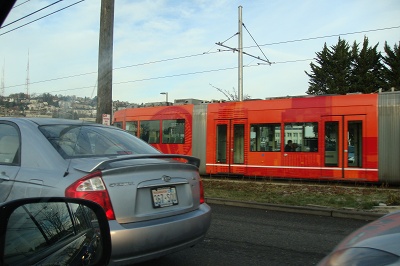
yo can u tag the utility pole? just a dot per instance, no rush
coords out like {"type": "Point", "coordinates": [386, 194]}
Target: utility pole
{"type": "Point", "coordinates": [241, 52]}
{"type": "Point", "coordinates": [104, 89]}
{"type": "Point", "coordinates": [240, 48]}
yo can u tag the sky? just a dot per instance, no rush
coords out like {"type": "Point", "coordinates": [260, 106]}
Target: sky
{"type": "Point", "coordinates": [170, 45]}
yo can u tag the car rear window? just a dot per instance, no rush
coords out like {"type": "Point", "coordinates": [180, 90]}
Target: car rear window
{"type": "Point", "coordinates": [89, 140]}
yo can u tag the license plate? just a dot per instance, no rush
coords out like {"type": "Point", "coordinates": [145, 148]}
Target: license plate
{"type": "Point", "coordinates": [164, 197]}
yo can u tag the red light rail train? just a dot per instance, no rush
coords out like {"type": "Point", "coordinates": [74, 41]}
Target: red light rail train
{"type": "Point", "coordinates": [353, 137]}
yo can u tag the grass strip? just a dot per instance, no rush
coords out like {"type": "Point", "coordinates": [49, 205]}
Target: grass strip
{"type": "Point", "coordinates": [339, 196]}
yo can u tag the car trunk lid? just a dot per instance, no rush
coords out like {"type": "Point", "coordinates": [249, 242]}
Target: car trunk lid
{"type": "Point", "coordinates": [144, 187]}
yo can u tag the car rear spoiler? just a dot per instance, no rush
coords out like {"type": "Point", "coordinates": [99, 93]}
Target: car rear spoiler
{"type": "Point", "coordinates": [102, 165]}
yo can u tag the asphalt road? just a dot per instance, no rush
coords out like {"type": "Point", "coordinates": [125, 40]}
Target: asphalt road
{"type": "Point", "coordinates": [245, 236]}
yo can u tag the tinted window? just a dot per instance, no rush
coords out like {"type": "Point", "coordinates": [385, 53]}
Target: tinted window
{"type": "Point", "coordinates": [83, 141]}
{"type": "Point", "coordinates": [132, 127]}
{"type": "Point", "coordinates": [331, 143]}
{"type": "Point", "coordinates": [301, 137]}
{"type": "Point", "coordinates": [150, 131]}
{"type": "Point", "coordinates": [117, 124]}
{"type": "Point", "coordinates": [173, 131]}
{"type": "Point", "coordinates": [265, 137]}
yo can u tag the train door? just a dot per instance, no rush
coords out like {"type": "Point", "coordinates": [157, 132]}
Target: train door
{"type": "Point", "coordinates": [343, 146]}
{"type": "Point", "coordinates": [354, 147]}
{"type": "Point", "coordinates": [230, 146]}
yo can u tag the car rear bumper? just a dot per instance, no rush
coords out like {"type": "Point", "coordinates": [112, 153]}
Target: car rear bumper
{"type": "Point", "coordinates": [136, 242]}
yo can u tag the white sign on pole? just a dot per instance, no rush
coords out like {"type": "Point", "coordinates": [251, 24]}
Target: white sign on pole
{"type": "Point", "coordinates": [106, 119]}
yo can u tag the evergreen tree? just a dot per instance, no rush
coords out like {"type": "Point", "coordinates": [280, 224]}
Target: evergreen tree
{"type": "Point", "coordinates": [341, 58]}
{"type": "Point", "coordinates": [319, 76]}
{"type": "Point", "coordinates": [332, 75]}
{"type": "Point", "coordinates": [366, 71]}
{"type": "Point", "coordinates": [391, 70]}
{"type": "Point", "coordinates": [47, 97]}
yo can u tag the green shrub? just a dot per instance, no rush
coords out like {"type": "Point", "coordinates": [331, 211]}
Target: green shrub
{"type": "Point", "coordinates": [393, 198]}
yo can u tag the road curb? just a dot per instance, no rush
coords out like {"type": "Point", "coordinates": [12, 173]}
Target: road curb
{"type": "Point", "coordinates": [359, 215]}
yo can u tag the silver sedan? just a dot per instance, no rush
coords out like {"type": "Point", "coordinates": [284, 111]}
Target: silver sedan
{"type": "Point", "coordinates": [375, 244]}
{"type": "Point", "coordinates": [154, 202]}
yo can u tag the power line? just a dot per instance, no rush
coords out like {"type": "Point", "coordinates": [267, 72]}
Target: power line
{"type": "Point", "coordinates": [154, 78]}
{"type": "Point", "coordinates": [208, 71]}
{"type": "Point", "coordinates": [326, 36]}
{"type": "Point", "coordinates": [205, 53]}
{"type": "Point", "coordinates": [165, 60]}
{"type": "Point", "coordinates": [22, 3]}
{"type": "Point", "coordinates": [42, 17]}
{"type": "Point", "coordinates": [175, 75]}
{"type": "Point", "coordinates": [180, 75]}
{"type": "Point", "coordinates": [54, 79]}
{"type": "Point", "coordinates": [31, 14]}
{"type": "Point", "coordinates": [80, 88]}
{"type": "Point", "coordinates": [284, 62]}
{"type": "Point", "coordinates": [116, 68]}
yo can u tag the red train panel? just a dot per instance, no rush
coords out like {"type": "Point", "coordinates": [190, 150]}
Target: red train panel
{"type": "Point", "coordinates": [160, 115]}
{"type": "Point", "coordinates": [314, 137]}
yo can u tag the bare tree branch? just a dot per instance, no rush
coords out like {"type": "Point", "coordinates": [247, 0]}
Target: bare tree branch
{"type": "Point", "coordinates": [231, 96]}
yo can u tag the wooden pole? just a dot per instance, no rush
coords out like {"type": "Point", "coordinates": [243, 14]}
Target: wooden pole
{"type": "Point", "coordinates": [104, 81]}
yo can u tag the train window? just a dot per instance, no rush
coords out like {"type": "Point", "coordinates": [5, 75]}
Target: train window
{"type": "Point", "coordinates": [132, 127]}
{"type": "Point", "coordinates": [354, 146]}
{"type": "Point", "coordinates": [150, 131]}
{"type": "Point", "coordinates": [331, 143]}
{"type": "Point", "coordinates": [173, 131]}
{"type": "Point", "coordinates": [265, 137]}
{"type": "Point", "coordinates": [238, 145]}
{"type": "Point", "coordinates": [307, 137]}
{"type": "Point", "coordinates": [117, 124]}
{"type": "Point", "coordinates": [222, 132]}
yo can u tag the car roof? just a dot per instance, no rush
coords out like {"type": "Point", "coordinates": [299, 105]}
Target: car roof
{"type": "Point", "coordinates": [48, 121]}
{"type": "Point", "coordinates": [388, 224]}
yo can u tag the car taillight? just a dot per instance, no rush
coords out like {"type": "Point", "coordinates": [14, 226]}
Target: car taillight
{"type": "Point", "coordinates": [91, 187]}
{"type": "Point", "coordinates": [201, 192]}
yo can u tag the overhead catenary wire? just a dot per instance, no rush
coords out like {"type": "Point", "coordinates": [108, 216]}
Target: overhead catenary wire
{"type": "Point", "coordinates": [52, 13]}
{"type": "Point", "coordinates": [256, 42]}
{"type": "Point", "coordinates": [176, 75]}
{"type": "Point", "coordinates": [205, 53]}
{"type": "Point", "coordinates": [165, 60]}
{"type": "Point", "coordinates": [154, 78]}
{"type": "Point", "coordinates": [116, 68]}
{"type": "Point", "coordinates": [43, 8]}
{"type": "Point", "coordinates": [326, 36]}
{"type": "Point", "coordinates": [21, 4]}
{"type": "Point", "coordinates": [54, 79]}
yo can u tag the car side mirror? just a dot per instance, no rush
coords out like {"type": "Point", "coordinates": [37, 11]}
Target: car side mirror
{"type": "Point", "coordinates": [53, 231]}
